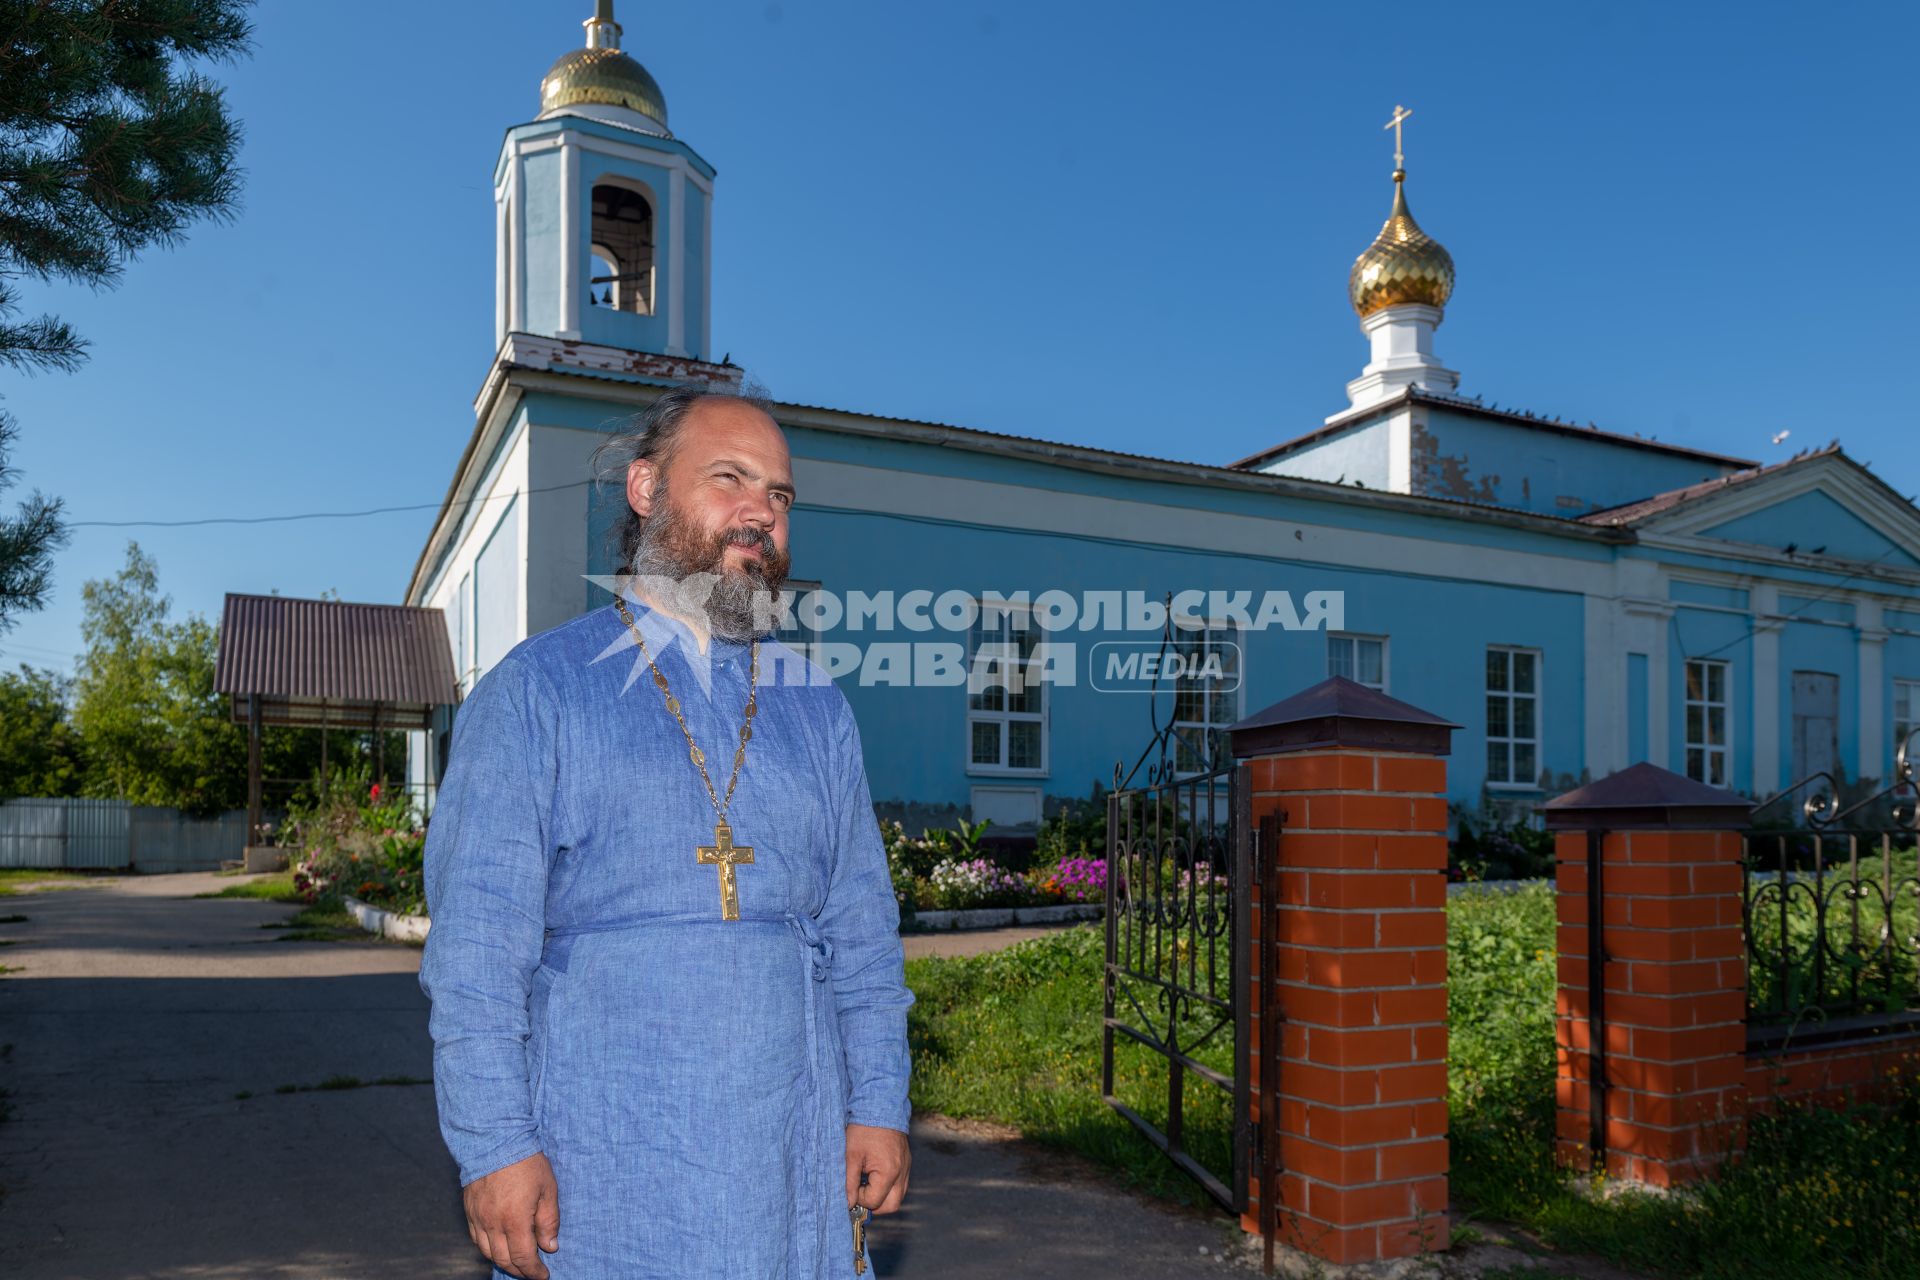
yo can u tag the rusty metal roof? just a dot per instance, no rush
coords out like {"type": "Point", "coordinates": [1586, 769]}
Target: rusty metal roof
{"type": "Point", "coordinates": [334, 651]}
{"type": "Point", "coordinates": [1633, 512]}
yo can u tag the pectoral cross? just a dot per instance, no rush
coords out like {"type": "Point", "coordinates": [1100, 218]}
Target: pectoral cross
{"type": "Point", "coordinates": [727, 855]}
{"type": "Point", "coordinates": [1400, 116]}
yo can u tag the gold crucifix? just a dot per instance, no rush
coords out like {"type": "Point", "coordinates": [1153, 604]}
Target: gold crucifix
{"type": "Point", "coordinates": [727, 855]}
{"type": "Point", "coordinates": [1400, 116]}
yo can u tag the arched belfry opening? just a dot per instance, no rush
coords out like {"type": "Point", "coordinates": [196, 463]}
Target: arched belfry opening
{"type": "Point", "coordinates": [622, 243]}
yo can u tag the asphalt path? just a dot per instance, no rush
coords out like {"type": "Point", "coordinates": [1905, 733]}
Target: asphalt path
{"type": "Point", "coordinates": [160, 1054]}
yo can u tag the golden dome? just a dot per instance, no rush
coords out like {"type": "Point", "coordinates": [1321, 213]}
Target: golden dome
{"type": "Point", "coordinates": [604, 76]}
{"type": "Point", "coordinates": [1403, 264]}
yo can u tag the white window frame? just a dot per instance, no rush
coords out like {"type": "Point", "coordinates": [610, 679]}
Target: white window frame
{"type": "Point", "coordinates": [1539, 728]}
{"type": "Point", "coordinates": [1208, 725]}
{"type": "Point", "coordinates": [1705, 745]}
{"type": "Point", "coordinates": [1911, 689]}
{"type": "Point", "coordinates": [1352, 639]}
{"type": "Point", "coordinates": [1003, 717]}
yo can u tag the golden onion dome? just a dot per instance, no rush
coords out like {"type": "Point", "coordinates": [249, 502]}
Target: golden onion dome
{"type": "Point", "coordinates": [1403, 264]}
{"type": "Point", "coordinates": [601, 75]}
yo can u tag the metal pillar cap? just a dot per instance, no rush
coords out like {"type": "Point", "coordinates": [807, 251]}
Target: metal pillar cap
{"type": "Point", "coordinates": [1646, 796]}
{"type": "Point", "coordinates": [1339, 712]}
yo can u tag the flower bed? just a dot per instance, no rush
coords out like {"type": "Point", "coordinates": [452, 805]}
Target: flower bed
{"type": "Point", "coordinates": [945, 872]}
{"type": "Point", "coordinates": [355, 839]}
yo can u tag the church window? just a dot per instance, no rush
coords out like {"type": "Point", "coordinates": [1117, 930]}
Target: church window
{"type": "Point", "coordinates": [1707, 721]}
{"type": "Point", "coordinates": [1906, 717]}
{"type": "Point", "coordinates": [1513, 716]}
{"type": "Point", "coordinates": [1361, 659]}
{"type": "Point", "coordinates": [622, 246]}
{"type": "Point", "coordinates": [1006, 697]}
{"type": "Point", "coordinates": [1206, 693]}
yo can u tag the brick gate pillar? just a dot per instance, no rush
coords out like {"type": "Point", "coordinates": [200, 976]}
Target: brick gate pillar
{"type": "Point", "coordinates": [1658, 1090]}
{"type": "Point", "coordinates": [1349, 808]}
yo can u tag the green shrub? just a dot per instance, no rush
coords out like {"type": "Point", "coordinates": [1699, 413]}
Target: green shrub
{"type": "Point", "coordinates": [354, 838]}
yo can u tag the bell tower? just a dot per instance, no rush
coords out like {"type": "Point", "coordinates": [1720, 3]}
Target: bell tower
{"type": "Point", "coordinates": [603, 217]}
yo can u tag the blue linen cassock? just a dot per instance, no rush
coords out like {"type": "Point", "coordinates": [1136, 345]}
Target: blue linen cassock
{"type": "Point", "coordinates": [689, 1078]}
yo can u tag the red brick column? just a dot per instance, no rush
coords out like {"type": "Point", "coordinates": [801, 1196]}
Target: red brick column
{"type": "Point", "coordinates": [1357, 785]}
{"type": "Point", "coordinates": [1660, 1091]}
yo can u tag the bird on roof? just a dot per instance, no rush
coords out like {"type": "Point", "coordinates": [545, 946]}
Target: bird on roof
{"type": "Point", "coordinates": [1790, 547]}
{"type": "Point", "coordinates": [1820, 550]}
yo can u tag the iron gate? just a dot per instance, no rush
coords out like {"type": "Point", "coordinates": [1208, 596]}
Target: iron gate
{"type": "Point", "coordinates": [1179, 923]}
{"type": "Point", "coordinates": [1831, 910]}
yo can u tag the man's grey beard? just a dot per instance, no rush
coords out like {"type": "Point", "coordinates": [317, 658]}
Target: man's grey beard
{"type": "Point", "coordinates": [739, 605]}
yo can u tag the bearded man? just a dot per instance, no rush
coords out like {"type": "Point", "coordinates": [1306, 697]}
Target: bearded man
{"type": "Point", "coordinates": [669, 1007]}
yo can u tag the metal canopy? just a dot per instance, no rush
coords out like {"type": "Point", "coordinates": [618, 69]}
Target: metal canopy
{"type": "Point", "coordinates": [334, 664]}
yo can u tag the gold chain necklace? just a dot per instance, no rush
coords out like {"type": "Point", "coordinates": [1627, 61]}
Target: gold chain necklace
{"type": "Point", "coordinates": [723, 852]}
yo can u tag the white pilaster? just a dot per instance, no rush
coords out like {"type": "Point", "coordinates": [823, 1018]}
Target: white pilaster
{"type": "Point", "coordinates": [706, 277]}
{"type": "Point", "coordinates": [1400, 448]}
{"type": "Point", "coordinates": [677, 255]}
{"type": "Point", "coordinates": [1606, 688]}
{"type": "Point", "coordinates": [1876, 757]}
{"type": "Point", "coordinates": [1649, 633]}
{"type": "Point", "coordinates": [516, 256]}
{"type": "Point", "coordinates": [502, 264]}
{"type": "Point", "coordinates": [1767, 623]}
{"type": "Point", "coordinates": [572, 253]}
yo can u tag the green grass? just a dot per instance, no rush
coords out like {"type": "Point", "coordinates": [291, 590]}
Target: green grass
{"type": "Point", "coordinates": [14, 880]}
{"type": "Point", "coordinates": [277, 887]}
{"type": "Point", "coordinates": [328, 922]}
{"type": "Point", "coordinates": [1014, 1037]}
{"type": "Point", "coordinates": [320, 923]}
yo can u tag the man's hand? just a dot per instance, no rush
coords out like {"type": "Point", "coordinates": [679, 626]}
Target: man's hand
{"type": "Point", "coordinates": [512, 1209]}
{"type": "Point", "coordinates": [882, 1155]}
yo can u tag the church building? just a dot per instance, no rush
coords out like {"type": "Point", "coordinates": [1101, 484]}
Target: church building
{"type": "Point", "coordinates": [1575, 599]}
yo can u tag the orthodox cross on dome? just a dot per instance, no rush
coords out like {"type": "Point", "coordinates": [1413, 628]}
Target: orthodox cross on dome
{"type": "Point", "coordinates": [1400, 116]}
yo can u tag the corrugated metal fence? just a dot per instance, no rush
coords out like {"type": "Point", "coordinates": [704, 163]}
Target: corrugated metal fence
{"type": "Point", "coordinates": [46, 833]}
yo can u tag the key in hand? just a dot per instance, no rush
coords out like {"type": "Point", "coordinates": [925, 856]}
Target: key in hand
{"type": "Point", "coordinates": [860, 1215]}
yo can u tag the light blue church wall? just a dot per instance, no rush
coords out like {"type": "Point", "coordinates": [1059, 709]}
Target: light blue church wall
{"type": "Point", "coordinates": [1357, 454]}
{"type": "Point", "coordinates": [1438, 628]}
{"type": "Point", "coordinates": [1483, 459]}
{"type": "Point", "coordinates": [1637, 681]}
{"type": "Point", "coordinates": [1815, 520]}
{"type": "Point", "coordinates": [539, 265]}
{"type": "Point", "coordinates": [916, 736]}
{"type": "Point", "coordinates": [914, 458]}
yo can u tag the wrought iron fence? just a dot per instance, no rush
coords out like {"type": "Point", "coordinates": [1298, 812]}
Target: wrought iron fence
{"type": "Point", "coordinates": [1176, 971]}
{"type": "Point", "coordinates": [1831, 907]}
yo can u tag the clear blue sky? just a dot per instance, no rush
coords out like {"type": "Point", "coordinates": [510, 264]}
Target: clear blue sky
{"type": "Point", "coordinates": [1114, 224]}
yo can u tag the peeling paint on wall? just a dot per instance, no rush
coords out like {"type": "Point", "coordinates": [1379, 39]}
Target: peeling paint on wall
{"type": "Point", "coordinates": [1439, 475]}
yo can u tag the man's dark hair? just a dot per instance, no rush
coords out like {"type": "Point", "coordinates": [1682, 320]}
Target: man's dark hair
{"type": "Point", "coordinates": [654, 434]}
